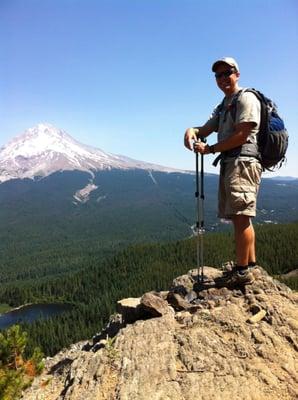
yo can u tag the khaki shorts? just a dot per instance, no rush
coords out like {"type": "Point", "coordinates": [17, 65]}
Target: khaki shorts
{"type": "Point", "coordinates": [239, 183]}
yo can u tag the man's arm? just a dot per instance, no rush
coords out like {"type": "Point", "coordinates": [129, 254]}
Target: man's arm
{"type": "Point", "coordinates": [240, 136]}
{"type": "Point", "coordinates": [192, 134]}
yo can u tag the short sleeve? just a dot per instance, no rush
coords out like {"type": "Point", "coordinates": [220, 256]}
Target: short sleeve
{"type": "Point", "coordinates": [248, 109]}
{"type": "Point", "coordinates": [213, 120]}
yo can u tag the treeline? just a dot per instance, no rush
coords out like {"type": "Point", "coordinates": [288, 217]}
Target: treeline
{"type": "Point", "coordinates": [95, 289]}
{"type": "Point", "coordinates": [32, 259]}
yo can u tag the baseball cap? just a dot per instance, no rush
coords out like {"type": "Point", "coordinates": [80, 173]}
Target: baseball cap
{"type": "Point", "coordinates": [226, 60]}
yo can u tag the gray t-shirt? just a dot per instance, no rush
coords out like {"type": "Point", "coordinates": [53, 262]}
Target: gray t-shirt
{"type": "Point", "coordinates": [248, 109]}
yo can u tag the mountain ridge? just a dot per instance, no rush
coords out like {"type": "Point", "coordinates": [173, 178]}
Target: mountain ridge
{"type": "Point", "coordinates": [45, 149]}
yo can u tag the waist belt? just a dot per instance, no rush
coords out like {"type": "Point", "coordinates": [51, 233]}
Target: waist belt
{"type": "Point", "coordinates": [246, 150]}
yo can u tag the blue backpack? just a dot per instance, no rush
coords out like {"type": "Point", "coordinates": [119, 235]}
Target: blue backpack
{"type": "Point", "coordinates": [272, 136]}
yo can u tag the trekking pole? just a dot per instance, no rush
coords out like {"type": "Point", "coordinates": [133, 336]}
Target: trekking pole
{"type": "Point", "coordinates": [200, 195]}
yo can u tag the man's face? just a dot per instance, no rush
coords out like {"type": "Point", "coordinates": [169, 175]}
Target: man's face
{"type": "Point", "coordinates": [226, 78]}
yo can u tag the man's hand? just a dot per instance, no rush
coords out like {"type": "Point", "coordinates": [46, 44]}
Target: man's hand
{"type": "Point", "coordinates": [202, 148]}
{"type": "Point", "coordinates": [190, 137]}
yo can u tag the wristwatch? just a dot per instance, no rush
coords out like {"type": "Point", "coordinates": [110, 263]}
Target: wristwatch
{"type": "Point", "coordinates": [211, 149]}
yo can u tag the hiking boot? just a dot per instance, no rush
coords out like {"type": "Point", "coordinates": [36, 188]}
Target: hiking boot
{"type": "Point", "coordinates": [240, 278]}
{"type": "Point", "coordinates": [252, 266]}
{"type": "Point", "coordinates": [230, 268]}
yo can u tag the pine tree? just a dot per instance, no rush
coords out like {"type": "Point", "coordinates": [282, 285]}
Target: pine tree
{"type": "Point", "coordinates": [15, 371]}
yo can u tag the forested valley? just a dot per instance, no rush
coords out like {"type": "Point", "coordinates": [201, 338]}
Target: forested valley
{"type": "Point", "coordinates": [94, 289]}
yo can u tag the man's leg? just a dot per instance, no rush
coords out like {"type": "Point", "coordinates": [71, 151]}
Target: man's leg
{"type": "Point", "coordinates": [244, 239]}
{"type": "Point", "coordinates": [252, 249]}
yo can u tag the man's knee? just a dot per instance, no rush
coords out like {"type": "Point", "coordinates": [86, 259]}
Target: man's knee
{"type": "Point", "coordinates": [243, 221]}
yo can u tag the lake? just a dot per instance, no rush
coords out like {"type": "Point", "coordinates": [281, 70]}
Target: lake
{"type": "Point", "coordinates": [31, 313]}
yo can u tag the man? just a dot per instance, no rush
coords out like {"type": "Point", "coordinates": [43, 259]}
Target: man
{"type": "Point", "coordinates": [240, 170]}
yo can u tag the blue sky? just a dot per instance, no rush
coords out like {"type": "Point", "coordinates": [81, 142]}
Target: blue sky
{"type": "Point", "coordinates": [129, 76]}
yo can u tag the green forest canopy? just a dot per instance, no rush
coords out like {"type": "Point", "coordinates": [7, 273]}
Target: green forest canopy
{"type": "Point", "coordinates": [95, 288]}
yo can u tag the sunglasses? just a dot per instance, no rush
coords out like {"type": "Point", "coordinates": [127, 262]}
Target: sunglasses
{"type": "Point", "coordinates": [224, 74]}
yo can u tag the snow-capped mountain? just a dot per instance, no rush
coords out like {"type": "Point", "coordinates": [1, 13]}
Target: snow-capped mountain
{"type": "Point", "coordinates": [45, 149]}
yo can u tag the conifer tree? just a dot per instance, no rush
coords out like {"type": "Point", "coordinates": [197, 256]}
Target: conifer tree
{"type": "Point", "coordinates": [15, 371]}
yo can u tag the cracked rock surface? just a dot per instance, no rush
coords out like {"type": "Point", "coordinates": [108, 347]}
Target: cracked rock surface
{"type": "Point", "coordinates": [194, 342]}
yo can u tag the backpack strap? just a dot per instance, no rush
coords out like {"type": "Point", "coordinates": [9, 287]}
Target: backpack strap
{"type": "Point", "coordinates": [247, 149]}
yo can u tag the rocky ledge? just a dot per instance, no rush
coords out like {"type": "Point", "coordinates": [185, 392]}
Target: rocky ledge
{"type": "Point", "coordinates": [193, 342]}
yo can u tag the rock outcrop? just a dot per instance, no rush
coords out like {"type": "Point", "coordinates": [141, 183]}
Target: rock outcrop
{"type": "Point", "coordinates": [194, 342]}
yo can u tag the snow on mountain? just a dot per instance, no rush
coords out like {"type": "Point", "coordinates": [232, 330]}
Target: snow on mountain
{"type": "Point", "coordinates": [45, 149]}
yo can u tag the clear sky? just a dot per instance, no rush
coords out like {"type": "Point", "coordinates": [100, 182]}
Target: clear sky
{"type": "Point", "coordinates": [129, 76]}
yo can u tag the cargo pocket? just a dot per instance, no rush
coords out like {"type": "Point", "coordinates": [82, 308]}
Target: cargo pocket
{"type": "Point", "coordinates": [257, 171]}
{"type": "Point", "coordinates": [242, 201]}
{"type": "Point", "coordinates": [250, 173]}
